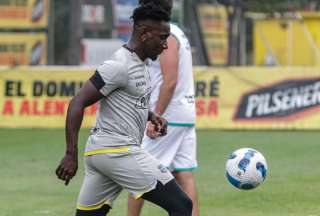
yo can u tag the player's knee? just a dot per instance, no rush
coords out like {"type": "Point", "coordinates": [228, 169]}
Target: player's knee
{"type": "Point", "coordinates": [183, 207]}
{"type": "Point", "coordinates": [187, 205]}
{"type": "Point", "coordinates": [103, 211]}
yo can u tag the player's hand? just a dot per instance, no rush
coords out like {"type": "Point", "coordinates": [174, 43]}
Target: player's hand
{"type": "Point", "coordinates": [160, 124]}
{"type": "Point", "coordinates": [67, 168]}
{"type": "Point", "coordinates": [151, 132]}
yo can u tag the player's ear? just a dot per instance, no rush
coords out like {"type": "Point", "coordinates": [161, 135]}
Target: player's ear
{"type": "Point", "coordinates": [142, 29]}
{"type": "Point", "coordinates": [146, 36]}
{"type": "Point", "coordinates": [143, 37]}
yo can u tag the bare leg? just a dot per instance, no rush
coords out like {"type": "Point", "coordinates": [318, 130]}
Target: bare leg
{"type": "Point", "coordinates": [186, 180]}
{"type": "Point", "coordinates": [134, 206]}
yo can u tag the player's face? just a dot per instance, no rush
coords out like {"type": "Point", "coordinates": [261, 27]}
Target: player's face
{"type": "Point", "coordinates": [156, 41]}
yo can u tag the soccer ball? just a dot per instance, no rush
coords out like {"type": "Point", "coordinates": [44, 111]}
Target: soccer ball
{"type": "Point", "coordinates": [246, 168]}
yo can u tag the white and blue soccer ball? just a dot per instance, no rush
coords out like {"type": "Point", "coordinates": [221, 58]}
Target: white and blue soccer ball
{"type": "Point", "coordinates": [246, 168]}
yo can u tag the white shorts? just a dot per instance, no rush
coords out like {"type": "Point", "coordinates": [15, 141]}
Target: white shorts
{"type": "Point", "coordinates": [177, 150]}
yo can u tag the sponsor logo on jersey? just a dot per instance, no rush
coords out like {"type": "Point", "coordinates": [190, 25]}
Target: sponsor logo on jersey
{"type": "Point", "coordinates": [143, 101]}
{"type": "Point", "coordinates": [141, 83]}
{"type": "Point", "coordinates": [162, 168]}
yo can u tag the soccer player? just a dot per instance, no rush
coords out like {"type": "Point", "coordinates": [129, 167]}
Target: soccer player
{"type": "Point", "coordinates": [172, 97]}
{"type": "Point", "coordinates": [114, 159]}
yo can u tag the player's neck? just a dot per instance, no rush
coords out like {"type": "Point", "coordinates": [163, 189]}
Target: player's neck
{"type": "Point", "coordinates": [133, 46]}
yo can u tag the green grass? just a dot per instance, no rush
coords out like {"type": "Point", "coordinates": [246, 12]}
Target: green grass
{"type": "Point", "coordinates": [28, 186]}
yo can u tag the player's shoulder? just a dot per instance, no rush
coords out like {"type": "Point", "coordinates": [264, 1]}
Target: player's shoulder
{"type": "Point", "coordinates": [177, 33]}
{"type": "Point", "coordinates": [120, 55]}
{"type": "Point", "coordinates": [175, 29]}
{"type": "Point", "coordinates": [115, 63]}
{"type": "Point", "coordinates": [174, 26]}
{"type": "Point", "coordinates": [111, 65]}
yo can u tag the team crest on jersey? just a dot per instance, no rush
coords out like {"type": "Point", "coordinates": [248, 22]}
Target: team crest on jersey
{"type": "Point", "coordinates": [162, 168]}
{"type": "Point", "coordinates": [143, 101]}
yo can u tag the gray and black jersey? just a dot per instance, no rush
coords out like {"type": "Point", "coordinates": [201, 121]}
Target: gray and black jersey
{"type": "Point", "coordinates": [114, 159]}
{"type": "Point", "coordinates": [122, 113]}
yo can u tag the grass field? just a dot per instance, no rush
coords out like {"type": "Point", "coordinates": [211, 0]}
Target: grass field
{"type": "Point", "coordinates": [28, 186]}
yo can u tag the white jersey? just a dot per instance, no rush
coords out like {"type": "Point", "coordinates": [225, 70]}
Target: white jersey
{"type": "Point", "coordinates": [181, 109]}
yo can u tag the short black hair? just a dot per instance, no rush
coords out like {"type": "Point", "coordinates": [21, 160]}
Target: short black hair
{"type": "Point", "coordinates": [150, 11]}
{"type": "Point", "coordinates": [165, 4]}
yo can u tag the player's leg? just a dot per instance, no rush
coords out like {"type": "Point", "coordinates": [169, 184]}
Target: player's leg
{"type": "Point", "coordinates": [162, 196]}
{"type": "Point", "coordinates": [134, 206]}
{"type": "Point", "coordinates": [171, 198]}
{"type": "Point", "coordinates": [97, 191]}
{"type": "Point", "coordinates": [186, 180]}
{"type": "Point", "coordinates": [162, 148]}
{"type": "Point", "coordinates": [103, 211]}
{"type": "Point", "coordinates": [153, 182]}
{"type": "Point", "coordinates": [184, 163]}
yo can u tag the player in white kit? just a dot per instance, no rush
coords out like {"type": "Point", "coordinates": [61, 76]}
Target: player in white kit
{"type": "Point", "coordinates": [114, 159]}
{"type": "Point", "coordinates": [172, 97]}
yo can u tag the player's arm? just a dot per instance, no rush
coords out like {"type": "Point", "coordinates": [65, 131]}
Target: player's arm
{"type": "Point", "coordinates": [87, 96]}
{"type": "Point", "coordinates": [169, 62]}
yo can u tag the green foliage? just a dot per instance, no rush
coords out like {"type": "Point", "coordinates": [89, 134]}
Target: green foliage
{"type": "Point", "coordinates": [29, 186]}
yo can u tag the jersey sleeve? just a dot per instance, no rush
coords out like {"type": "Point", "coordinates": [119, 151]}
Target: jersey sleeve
{"type": "Point", "coordinates": [109, 76]}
